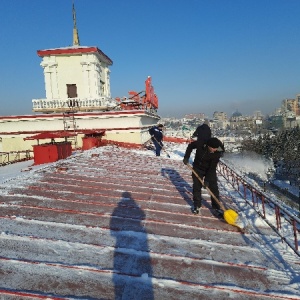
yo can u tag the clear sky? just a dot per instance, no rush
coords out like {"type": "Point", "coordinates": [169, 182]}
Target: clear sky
{"type": "Point", "coordinates": [203, 55]}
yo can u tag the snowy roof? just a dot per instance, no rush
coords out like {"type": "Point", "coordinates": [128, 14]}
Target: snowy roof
{"type": "Point", "coordinates": [112, 223]}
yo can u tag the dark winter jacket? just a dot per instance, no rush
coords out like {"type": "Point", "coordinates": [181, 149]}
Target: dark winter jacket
{"type": "Point", "coordinates": [157, 133]}
{"type": "Point", "coordinates": [202, 132]}
{"type": "Point", "coordinates": [205, 163]}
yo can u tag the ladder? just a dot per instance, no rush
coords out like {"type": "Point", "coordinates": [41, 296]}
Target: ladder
{"type": "Point", "coordinates": [69, 121]}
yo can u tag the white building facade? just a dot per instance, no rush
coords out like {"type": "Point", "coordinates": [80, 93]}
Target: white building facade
{"type": "Point", "coordinates": [78, 75]}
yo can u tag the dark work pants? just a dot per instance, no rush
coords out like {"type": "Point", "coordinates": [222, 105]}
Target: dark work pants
{"type": "Point", "coordinates": [157, 147]}
{"type": "Point", "coordinates": [197, 186]}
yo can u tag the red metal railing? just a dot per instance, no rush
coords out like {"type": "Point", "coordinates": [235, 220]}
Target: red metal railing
{"type": "Point", "coordinates": [266, 207]}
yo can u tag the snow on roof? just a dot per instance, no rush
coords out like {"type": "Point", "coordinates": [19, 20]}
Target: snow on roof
{"type": "Point", "coordinates": [112, 223]}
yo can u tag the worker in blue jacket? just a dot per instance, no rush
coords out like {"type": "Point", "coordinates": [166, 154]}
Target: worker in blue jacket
{"type": "Point", "coordinates": [157, 137]}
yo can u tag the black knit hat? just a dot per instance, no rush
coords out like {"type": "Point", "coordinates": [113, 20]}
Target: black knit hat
{"type": "Point", "coordinates": [213, 143]}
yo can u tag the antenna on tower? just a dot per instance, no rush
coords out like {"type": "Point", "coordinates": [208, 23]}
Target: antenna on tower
{"type": "Point", "coordinates": [75, 31]}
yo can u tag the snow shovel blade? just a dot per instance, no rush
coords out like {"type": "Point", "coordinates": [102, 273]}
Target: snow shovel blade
{"type": "Point", "coordinates": [230, 216]}
{"type": "Point", "coordinates": [168, 155]}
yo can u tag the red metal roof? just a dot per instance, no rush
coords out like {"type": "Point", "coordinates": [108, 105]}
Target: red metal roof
{"type": "Point", "coordinates": [73, 50]}
{"type": "Point", "coordinates": [113, 223]}
{"type": "Point", "coordinates": [50, 135]}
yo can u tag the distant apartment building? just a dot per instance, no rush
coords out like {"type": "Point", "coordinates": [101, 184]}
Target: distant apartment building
{"type": "Point", "coordinates": [290, 110]}
{"type": "Point", "coordinates": [258, 115]}
{"type": "Point", "coordinates": [258, 120]}
{"type": "Point", "coordinates": [289, 119]}
{"type": "Point", "coordinates": [220, 116]}
{"type": "Point", "coordinates": [220, 120]}
{"type": "Point", "coordinates": [241, 122]}
{"type": "Point", "coordinates": [290, 105]}
{"type": "Point", "coordinates": [298, 105]}
{"type": "Point", "coordinates": [200, 116]}
{"type": "Point", "coordinates": [249, 123]}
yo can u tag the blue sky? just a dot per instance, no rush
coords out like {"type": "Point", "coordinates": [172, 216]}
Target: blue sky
{"type": "Point", "coordinates": [203, 55]}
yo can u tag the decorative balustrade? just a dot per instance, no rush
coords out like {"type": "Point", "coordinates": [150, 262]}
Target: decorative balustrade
{"type": "Point", "coordinates": [59, 105]}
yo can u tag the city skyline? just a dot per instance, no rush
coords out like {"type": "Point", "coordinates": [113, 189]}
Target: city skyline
{"type": "Point", "coordinates": [203, 56]}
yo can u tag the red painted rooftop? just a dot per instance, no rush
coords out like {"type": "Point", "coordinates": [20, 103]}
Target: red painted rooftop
{"type": "Point", "coordinates": [114, 223]}
{"type": "Point", "coordinates": [74, 50]}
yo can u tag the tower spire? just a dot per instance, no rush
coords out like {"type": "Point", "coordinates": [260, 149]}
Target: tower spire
{"type": "Point", "coordinates": [75, 31]}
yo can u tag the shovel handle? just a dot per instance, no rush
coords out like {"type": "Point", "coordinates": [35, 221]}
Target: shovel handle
{"type": "Point", "coordinates": [147, 141]}
{"type": "Point", "coordinates": [162, 147]}
{"type": "Point", "coordinates": [158, 142]}
{"type": "Point", "coordinates": [209, 191]}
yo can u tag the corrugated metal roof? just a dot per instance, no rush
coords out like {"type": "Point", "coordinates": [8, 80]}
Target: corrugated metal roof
{"type": "Point", "coordinates": [50, 135]}
{"type": "Point", "coordinates": [113, 223]}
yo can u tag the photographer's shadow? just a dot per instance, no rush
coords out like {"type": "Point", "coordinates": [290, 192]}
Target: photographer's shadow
{"type": "Point", "coordinates": [132, 263]}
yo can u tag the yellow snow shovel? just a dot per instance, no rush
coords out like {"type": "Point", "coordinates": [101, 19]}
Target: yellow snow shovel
{"type": "Point", "coordinates": [229, 215]}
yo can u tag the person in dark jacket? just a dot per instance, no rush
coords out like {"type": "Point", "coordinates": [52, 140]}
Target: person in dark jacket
{"type": "Point", "coordinates": [157, 137]}
{"type": "Point", "coordinates": [202, 132]}
{"type": "Point", "coordinates": [205, 164]}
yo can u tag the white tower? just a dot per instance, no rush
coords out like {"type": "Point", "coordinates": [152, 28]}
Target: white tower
{"type": "Point", "coordinates": [79, 73]}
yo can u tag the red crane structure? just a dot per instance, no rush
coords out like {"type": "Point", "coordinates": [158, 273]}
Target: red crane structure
{"type": "Point", "coordinates": [144, 100]}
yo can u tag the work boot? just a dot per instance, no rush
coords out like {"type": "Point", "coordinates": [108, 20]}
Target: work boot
{"type": "Point", "coordinates": [217, 212]}
{"type": "Point", "coordinates": [196, 210]}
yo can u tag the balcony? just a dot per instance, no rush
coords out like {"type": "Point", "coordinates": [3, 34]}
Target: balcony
{"type": "Point", "coordinates": [76, 104]}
